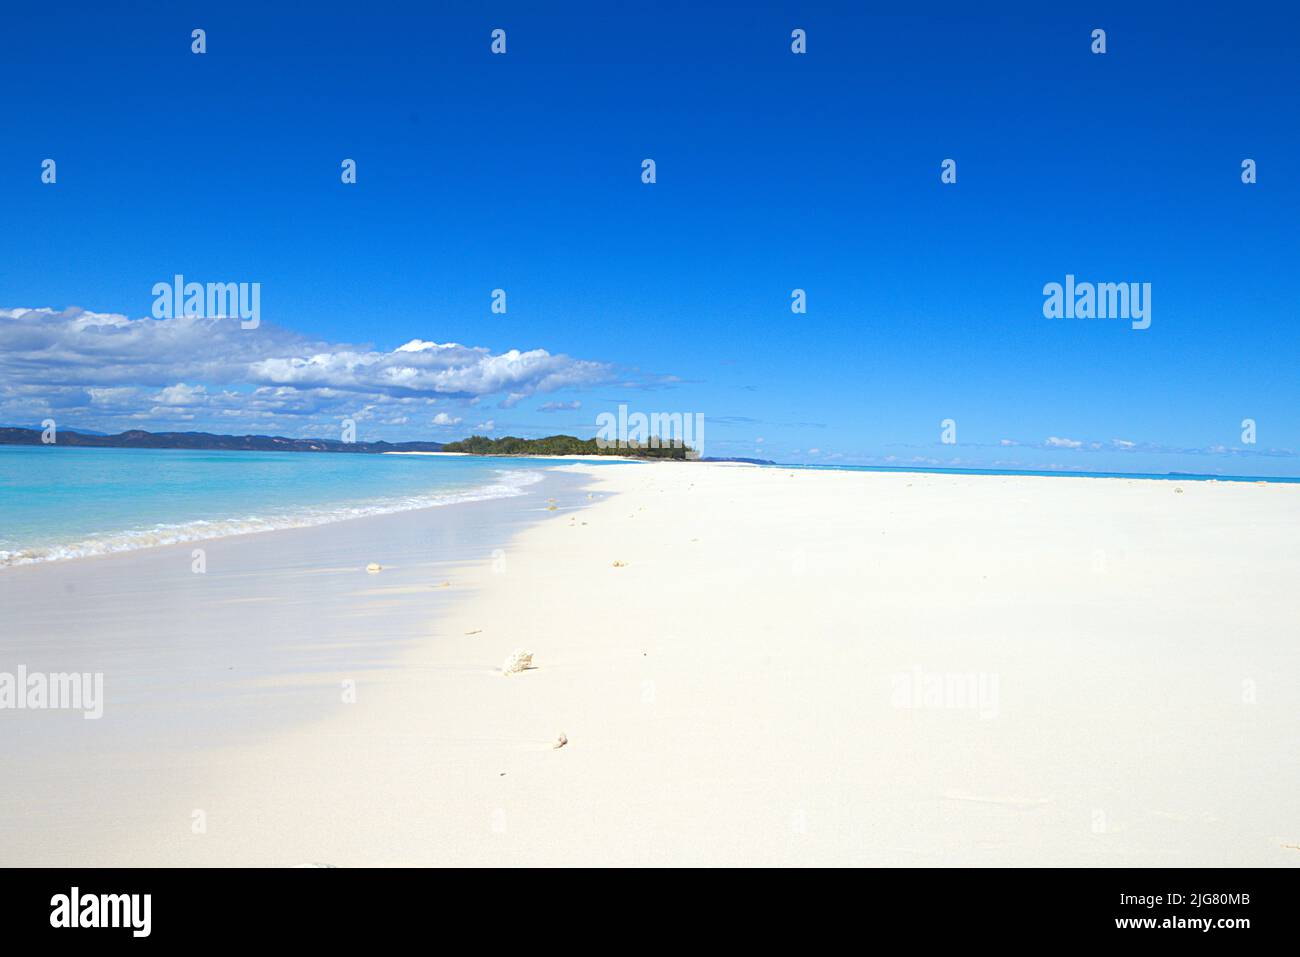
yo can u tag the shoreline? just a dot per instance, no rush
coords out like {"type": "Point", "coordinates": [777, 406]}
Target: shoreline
{"type": "Point", "coordinates": [1106, 630]}
{"type": "Point", "coordinates": [195, 531]}
{"type": "Point", "coordinates": [540, 458]}
{"type": "Point", "coordinates": [192, 664]}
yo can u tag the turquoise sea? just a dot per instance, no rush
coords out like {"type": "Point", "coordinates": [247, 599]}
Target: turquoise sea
{"type": "Point", "coordinates": [66, 502]}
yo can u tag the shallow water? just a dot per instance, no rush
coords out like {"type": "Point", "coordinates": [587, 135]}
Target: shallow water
{"type": "Point", "coordinates": [68, 502]}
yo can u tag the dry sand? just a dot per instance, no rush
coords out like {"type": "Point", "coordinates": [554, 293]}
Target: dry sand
{"type": "Point", "coordinates": [765, 667]}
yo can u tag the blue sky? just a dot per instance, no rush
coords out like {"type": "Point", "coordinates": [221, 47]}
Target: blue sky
{"type": "Point", "coordinates": [774, 172]}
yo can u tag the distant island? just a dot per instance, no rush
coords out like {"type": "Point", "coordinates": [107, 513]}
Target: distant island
{"type": "Point", "coordinates": [565, 445]}
{"type": "Point", "coordinates": [474, 445]}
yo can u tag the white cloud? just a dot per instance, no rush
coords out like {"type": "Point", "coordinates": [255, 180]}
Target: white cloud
{"type": "Point", "coordinates": [1058, 443]}
{"type": "Point", "coordinates": [559, 406]}
{"type": "Point", "coordinates": [113, 370]}
{"type": "Point", "coordinates": [443, 419]}
{"type": "Point", "coordinates": [181, 394]}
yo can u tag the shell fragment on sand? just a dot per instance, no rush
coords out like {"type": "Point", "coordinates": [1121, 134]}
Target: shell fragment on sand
{"type": "Point", "coordinates": [518, 661]}
{"type": "Point", "coordinates": [374, 567]}
{"type": "Point", "coordinates": [560, 742]}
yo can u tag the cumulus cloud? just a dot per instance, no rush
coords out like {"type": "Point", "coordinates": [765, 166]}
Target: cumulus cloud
{"type": "Point", "coordinates": [559, 406]}
{"type": "Point", "coordinates": [127, 372]}
{"type": "Point", "coordinates": [443, 419]}
{"type": "Point", "coordinates": [1053, 442]}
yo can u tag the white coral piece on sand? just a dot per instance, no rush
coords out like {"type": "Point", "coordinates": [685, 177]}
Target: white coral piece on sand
{"type": "Point", "coordinates": [518, 661]}
{"type": "Point", "coordinates": [560, 742]}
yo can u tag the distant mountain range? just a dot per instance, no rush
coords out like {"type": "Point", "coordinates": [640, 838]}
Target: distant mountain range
{"type": "Point", "coordinates": [137, 439]}
{"type": "Point", "coordinates": [82, 431]}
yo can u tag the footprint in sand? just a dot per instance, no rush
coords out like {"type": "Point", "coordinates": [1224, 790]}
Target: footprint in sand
{"type": "Point", "coordinates": [1186, 817]}
{"type": "Point", "coordinates": [1017, 801]}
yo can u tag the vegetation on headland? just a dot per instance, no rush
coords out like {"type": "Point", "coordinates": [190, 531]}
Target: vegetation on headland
{"type": "Point", "coordinates": [565, 445]}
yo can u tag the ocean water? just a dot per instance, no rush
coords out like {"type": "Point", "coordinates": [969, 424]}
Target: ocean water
{"type": "Point", "coordinates": [65, 502]}
{"type": "Point", "coordinates": [1053, 473]}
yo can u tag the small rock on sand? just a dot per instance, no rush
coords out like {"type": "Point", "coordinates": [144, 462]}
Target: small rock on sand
{"type": "Point", "coordinates": [374, 567]}
{"type": "Point", "coordinates": [518, 661]}
{"type": "Point", "coordinates": [620, 564]}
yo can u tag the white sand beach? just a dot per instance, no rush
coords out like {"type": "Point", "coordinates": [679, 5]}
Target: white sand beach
{"type": "Point", "coordinates": [751, 666]}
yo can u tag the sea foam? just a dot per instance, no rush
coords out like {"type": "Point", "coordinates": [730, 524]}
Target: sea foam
{"type": "Point", "coordinates": [509, 484]}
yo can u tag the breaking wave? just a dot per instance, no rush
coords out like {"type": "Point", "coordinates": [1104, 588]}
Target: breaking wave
{"type": "Point", "coordinates": [509, 484]}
